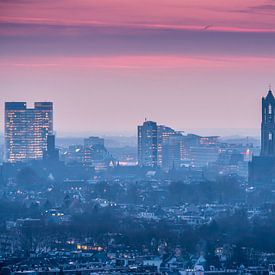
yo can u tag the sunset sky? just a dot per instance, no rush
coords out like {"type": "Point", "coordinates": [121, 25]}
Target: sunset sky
{"type": "Point", "coordinates": [108, 64]}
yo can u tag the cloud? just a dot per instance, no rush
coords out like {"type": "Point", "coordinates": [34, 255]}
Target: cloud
{"type": "Point", "coordinates": [140, 62]}
{"type": "Point", "coordinates": [55, 40]}
{"type": "Point", "coordinates": [165, 14]}
{"type": "Point", "coordinates": [68, 28]}
{"type": "Point", "coordinates": [266, 9]}
{"type": "Point", "coordinates": [263, 8]}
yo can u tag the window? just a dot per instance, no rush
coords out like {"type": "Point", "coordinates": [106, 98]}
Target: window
{"type": "Point", "coordinates": [270, 136]}
{"type": "Point", "coordinates": [269, 109]}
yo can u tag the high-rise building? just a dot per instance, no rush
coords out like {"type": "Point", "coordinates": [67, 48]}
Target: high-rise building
{"type": "Point", "coordinates": [172, 152]}
{"type": "Point", "coordinates": [268, 125]}
{"type": "Point", "coordinates": [164, 133]}
{"type": "Point", "coordinates": [170, 148]}
{"type": "Point", "coordinates": [26, 130]}
{"type": "Point", "coordinates": [162, 146]}
{"type": "Point", "coordinates": [148, 144]}
{"type": "Point", "coordinates": [262, 168]}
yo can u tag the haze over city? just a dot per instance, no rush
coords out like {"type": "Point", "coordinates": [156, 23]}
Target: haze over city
{"type": "Point", "coordinates": [137, 137]}
{"type": "Point", "coordinates": [107, 65]}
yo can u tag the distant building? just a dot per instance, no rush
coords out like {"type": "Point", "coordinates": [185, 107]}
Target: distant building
{"type": "Point", "coordinates": [92, 141]}
{"type": "Point", "coordinates": [148, 144]}
{"type": "Point", "coordinates": [268, 126]}
{"type": "Point", "coordinates": [51, 153]}
{"type": "Point", "coordinates": [201, 151]}
{"type": "Point", "coordinates": [26, 130]}
{"type": "Point", "coordinates": [203, 155]}
{"type": "Point", "coordinates": [164, 133]}
{"type": "Point", "coordinates": [162, 146]}
{"type": "Point", "coordinates": [262, 168]}
{"type": "Point", "coordinates": [173, 152]}
{"type": "Point", "coordinates": [72, 154]}
{"type": "Point", "coordinates": [96, 154]}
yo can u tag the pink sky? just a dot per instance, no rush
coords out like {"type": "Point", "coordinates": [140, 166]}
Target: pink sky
{"type": "Point", "coordinates": [237, 14]}
{"type": "Point", "coordinates": [188, 64]}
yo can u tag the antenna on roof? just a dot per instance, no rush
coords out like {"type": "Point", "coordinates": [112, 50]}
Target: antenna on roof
{"type": "Point", "coordinates": [269, 87]}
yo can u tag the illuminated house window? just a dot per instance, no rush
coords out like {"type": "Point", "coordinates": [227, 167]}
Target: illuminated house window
{"type": "Point", "coordinates": [270, 136]}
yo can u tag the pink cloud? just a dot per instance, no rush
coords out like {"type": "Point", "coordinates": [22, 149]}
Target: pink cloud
{"type": "Point", "coordinates": [222, 15]}
{"type": "Point", "coordinates": [143, 63]}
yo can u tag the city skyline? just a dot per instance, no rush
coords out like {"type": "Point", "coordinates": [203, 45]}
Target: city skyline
{"type": "Point", "coordinates": [189, 65]}
{"type": "Point", "coordinates": [131, 133]}
{"type": "Point", "coordinates": [222, 132]}
{"type": "Point", "coordinates": [137, 137]}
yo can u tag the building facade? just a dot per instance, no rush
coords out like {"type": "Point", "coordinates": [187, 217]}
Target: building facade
{"type": "Point", "coordinates": [95, 154]}
{"type": "Point", "coordinates": [262, 168]}
{"type": "Point", "coordinates": [163, 147]}
{"type": "Point", "coordinates": [27, 130]}
{"type": "Point", "coordinates": [268, 126]}
{"type": "Point", "coordinates": [148, 144]}
{"type": "Point", "coordinates": [172, 152]}
{"type": "Point", "coordinates": [51, 154]}
{"type": "Point", "coordinates": [164, 134]}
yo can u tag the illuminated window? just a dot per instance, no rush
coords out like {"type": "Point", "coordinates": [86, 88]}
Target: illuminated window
{"type": "Point", "coordinates": [269, 109]}
{"type": "Point", "coordinates": [270, 136]}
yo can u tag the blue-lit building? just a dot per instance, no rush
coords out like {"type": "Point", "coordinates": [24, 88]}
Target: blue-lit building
{"type": "Point", "coordinates": [148, 144]}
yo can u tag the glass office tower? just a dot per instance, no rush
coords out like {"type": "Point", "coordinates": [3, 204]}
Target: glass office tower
{"type": "Point", "coordinates": [26, 130]}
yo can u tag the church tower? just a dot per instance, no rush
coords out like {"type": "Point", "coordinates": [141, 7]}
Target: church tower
{"type": "Point", "coordinates": [268, 126]}
{"type": "Point", "coordinates": [261, 170]}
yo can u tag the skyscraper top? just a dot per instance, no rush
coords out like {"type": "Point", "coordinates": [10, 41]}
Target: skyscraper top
{"type": "Point", "coordinates": [23, 106]}
{"type": "Point", "coordinates": [43, 105]}
{"type": "Point", "coordinates": [15, 105]}
{"type": "Point", "coordinates": [149, 122]}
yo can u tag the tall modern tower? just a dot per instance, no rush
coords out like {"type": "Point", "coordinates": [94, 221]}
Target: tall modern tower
{"type": "Point", "coordinates": [268, 126]}
{"type": "Point", "coordinates": [27, 130]}
{"type": "Point", "coordinates": [148, 144]}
